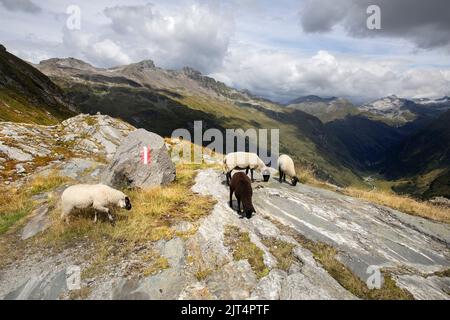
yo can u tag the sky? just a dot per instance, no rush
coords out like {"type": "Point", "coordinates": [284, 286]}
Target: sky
{"type": "Point", "coordinates": [277, 49]}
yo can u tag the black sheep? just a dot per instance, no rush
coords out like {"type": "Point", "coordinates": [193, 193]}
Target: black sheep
{"type": "Point", "coordinates": [241, 186]}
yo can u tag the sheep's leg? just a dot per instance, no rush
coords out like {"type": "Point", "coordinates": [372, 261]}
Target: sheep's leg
{"type": "Point", "coordinates": [246, 171]}
{"type": "Point", "coordinates": [65, 214]}
{"type": "Point", "coordinates": [239, 205]}
{"type": "Point", "coordinates": [231, 199]}
{"type": "Point", "coordinates": [103, 209]}
{"type": "Point", "coordinates": [229, 177]}
{"type": "Point", "coordinates": [280, 174]}
{"type": "Point", "coordinates": [251, 172]}
{"type": "Point", "coordinates": [66, 218]}
{"type": "Point", "coordinates": [110, 217]}
{"type": "Point", "coordinates": [95, 217]}
{"type": "Point", "coordinates": [284, 177]}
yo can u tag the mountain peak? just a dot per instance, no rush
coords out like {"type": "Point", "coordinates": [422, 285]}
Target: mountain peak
{"type": "Point", "coordinates": [67, 63]}
{"type": "Point", "coordinates": [310, 98]}
{"type": "Point", "coordinates": [146, 64]}
{"type": "Point", "coordinates": [191, 72]}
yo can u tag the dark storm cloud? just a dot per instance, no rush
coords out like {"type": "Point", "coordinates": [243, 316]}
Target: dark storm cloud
{"type": "Point", "coordinates": [20, 5]}
{"type": "Point", "coordinates": [425, 23]}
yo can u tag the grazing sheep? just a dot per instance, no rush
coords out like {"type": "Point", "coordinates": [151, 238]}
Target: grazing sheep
{"type": "Point", "coordinates": [241, 186]}
{"type": "Point", "coordinates": [242, 160]}
{"type": "Point", "coordinates": [97, 196]}
{"type": "Point", "coordinates": [286, 167]}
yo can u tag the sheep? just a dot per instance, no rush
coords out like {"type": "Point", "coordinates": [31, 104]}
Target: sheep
{"type": "Point", "coordinates": [97, 196]}
{"type": "Point", "coordinates": [286, 167]}
{"type": "Point", "coordinates": [242, 160]}
{"type": "Point", "coordinates": [241, 186]}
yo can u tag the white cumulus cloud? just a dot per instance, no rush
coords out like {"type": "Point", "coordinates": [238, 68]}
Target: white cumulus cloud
{"type": "Point", "coordinates": [285, 76]}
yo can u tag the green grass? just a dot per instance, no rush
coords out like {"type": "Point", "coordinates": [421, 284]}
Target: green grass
{"type": "Point", "coordinates": [243, 249]}
{"type": "Point", "coordinates": [8, 219]}
{"type": "Point", "coordinates": [155, 211]}
{"type": "Point", "coordinates": [17, 108]}
{"type": "Point", "coordinates": [282, 251]}
{"type": "Point", "coordinates": [16, 203]}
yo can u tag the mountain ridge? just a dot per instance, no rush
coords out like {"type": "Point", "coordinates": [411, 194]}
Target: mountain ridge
{"type": "Point", "coordinates": [163, 100]}
{"type": "Point", "coordinates": [28, 95]}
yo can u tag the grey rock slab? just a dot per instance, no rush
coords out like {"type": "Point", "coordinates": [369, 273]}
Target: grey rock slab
{"type": "Point", "coordinates": [269, 287]}
{"type": "Point", "coordinates": [15, 153]}
{"type": "Point", "coordinates": [168, 284]}
{"type": "Point", "coordinates": [428, 288]}
{"type": "Point", "coordinates": [45, 286]}
{"type": "Point", "coordinates": [235, 280]}
{"type": "Point", "coordinates": [174, 252]}
{"type": "Point", "coordinates": [127, 169]}
{"type": "Point", "coordinates": [210, 239]}
{"type": "Point", "coordinates": [39, 222]}
{"type": "Point", "coordinates": [365, 233]}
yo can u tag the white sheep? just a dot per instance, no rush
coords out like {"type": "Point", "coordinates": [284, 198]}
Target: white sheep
{"type": "Point", "coordinates": [242, 160]}
{"type": "Point", "coordinates": [286, 167]}
{"type": "Point", "coordinates": [97, 196]}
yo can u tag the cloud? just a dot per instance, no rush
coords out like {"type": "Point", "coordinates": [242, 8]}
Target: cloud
{"type": "Point", "coordinates": [283, 76]}
{"type": "Point", "coordinates": [196, 36]}
{"type": "Point", "coordinates": [20, 5]}
{"type": "Point", "coordinates": [425, 23]}
{"type": "Point", "coordinates": [98, 50]}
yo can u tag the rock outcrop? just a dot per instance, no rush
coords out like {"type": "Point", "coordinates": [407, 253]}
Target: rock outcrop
{"type": "Point", "coordinates": [28, 148]}
{"type": "Point", "coordinates": [128, 167]}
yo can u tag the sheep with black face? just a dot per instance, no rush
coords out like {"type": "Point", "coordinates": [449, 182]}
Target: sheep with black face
{"type": "Point", "coordinates": [242, 161]}
{"type": "Point", "coordinates": [286, 167]}
{"type": "Point", "coordinates": [97, 196]}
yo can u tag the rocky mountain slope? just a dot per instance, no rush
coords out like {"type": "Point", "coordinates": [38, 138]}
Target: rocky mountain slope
{"type": "Point", "coordinates": [326, 109]}
{"type": "Point", "coordinates": [340, 142]}
{"type": "Point", "coordinates": [425, 159]}
{"type": "Point", "coordinates": [163, 100]}
{"type": "Point", "coordinates": [409, 114]}
{"type": "Point", "coordinates": [372, 131]}
{"type": "Point", "coordinates": [27, 148]}
{"type": "Point", "coordinates": [27, 95]}
{"type": "Point", "coordinates": [285, 242]}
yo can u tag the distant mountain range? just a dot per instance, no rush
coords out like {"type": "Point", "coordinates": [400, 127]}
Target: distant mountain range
{"type": "Point", "coordinates": [163, 100]}
{"type": "Point", "coordinates": [326, 109]}
{"type": "Point", "coordinates": [399, 138]}
{"type": "Point", "coordinates": [394, 138]}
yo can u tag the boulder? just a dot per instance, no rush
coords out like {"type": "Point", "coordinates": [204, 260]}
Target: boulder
{"type": "Point", "coordinates": [127, 168]}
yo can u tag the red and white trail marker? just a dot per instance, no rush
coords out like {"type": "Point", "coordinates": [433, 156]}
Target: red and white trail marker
{"type": "Point", "coordinates": [146, 155]}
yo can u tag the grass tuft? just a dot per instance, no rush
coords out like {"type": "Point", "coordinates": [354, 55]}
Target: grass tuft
{"type": "Point", "coordinates": [282, 251]}
{"type": "Point", "coordinates": [154, 214]}
{"type": "Point", "coordinates": [243, 249]}
{"type": "Point", "coordinates": [403, 203]}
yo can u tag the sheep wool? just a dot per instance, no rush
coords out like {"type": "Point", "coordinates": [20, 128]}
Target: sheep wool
{"type": "Point", "coordinates": [286, 165]}
{"type": "Point", "coordinates": [243, 160]}
{"type": "Point", "coordinates": [97, 196]}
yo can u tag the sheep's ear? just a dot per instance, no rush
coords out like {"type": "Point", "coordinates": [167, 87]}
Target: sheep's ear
{"type": "Point", "coordinates": [269, 163]}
